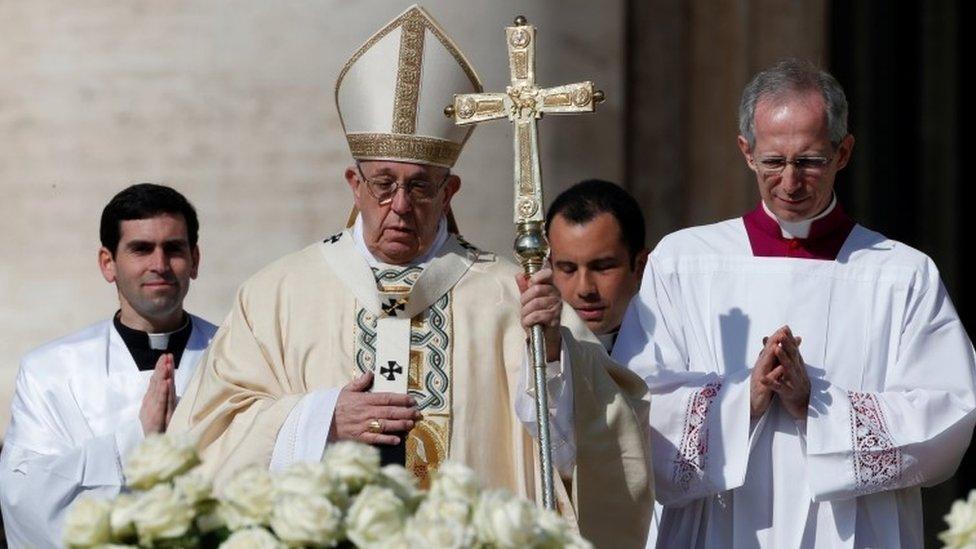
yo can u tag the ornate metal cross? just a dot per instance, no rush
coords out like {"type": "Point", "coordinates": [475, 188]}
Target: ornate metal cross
{"type": "Point", "coordinates": [523, 103]}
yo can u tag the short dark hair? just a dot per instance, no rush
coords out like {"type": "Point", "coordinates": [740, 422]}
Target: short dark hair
{"type": "Point", "coordinates": [585, 200]}
{"type": "Point", "coordinates": [142, 201]}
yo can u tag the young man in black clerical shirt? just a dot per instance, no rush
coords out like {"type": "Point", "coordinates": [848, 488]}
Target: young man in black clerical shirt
{"type": "Point", "coordinates": [83, 401]}
{"type": "Point", "coordinates": [597, 251]}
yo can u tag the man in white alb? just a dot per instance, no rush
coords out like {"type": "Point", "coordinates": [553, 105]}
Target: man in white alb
{"type": "Point", "coordinates": [597, 253]}
{"type": "Point", "coordinates": [863, 389]}
{"type": "Point", "coordinates": [83, 401]}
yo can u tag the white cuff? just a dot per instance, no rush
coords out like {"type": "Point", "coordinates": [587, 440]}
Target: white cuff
{"type": "Point", "coordinates": [127, 437]}
{"type": "Point", "coordinates": [559, 387]}
{"type": "Point", "coordinates": [305, 432]}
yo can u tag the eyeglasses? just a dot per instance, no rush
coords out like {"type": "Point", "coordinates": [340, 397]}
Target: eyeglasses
{"type": "Point", "coordinates": [384, 187]}
{"type": "Point", "coordinates": [809, 165]}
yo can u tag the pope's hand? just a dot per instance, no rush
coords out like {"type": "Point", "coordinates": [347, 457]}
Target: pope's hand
{"type": "Point", "coordinates": [542, 304]}
{"type": "Point", "coordinates": [160, 398]}
{"type": "Point", "coordinates": [789, 378]}
{"type": "Point", "coordinates": [372, 417]}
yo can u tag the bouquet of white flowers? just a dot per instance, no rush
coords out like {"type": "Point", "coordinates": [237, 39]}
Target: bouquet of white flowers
{"type": "Point", "coordinates": [347, 500]}
{"type": "Point", "coordinates": [962, 524]}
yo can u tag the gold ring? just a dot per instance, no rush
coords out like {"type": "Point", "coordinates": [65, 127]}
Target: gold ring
{"type": "Point", "coordinates": [375, 426]}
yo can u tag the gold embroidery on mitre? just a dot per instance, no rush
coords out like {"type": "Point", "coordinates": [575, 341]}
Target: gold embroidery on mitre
{"type": "Point", "coordinates": [426, 150]}
{"type": "Point", "coordinates": [408, 74]}
{"type": "Point", "coordinates": [430, 25]}
{"type": "Point", "coordinates": [423, 150]}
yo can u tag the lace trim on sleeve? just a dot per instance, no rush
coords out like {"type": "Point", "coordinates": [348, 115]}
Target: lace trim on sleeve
{"type": "Point", "coordinates": [877, 461]}
{"type": "Point", "coordinates": [689, 463]}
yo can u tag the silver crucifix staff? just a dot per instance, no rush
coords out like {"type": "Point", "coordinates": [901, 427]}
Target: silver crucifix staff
{"type": "Point", "coordinates": [523, 103]}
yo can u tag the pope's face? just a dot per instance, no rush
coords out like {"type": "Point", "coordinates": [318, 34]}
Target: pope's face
{"type": "Point", "coordinates": [151, 268]}
{"type": "Point", "coordinates": [592, 269]}
{"type": "Point", "coordinates": [790, 129]}
{"type": "Point", "coordinates": [402, 228]}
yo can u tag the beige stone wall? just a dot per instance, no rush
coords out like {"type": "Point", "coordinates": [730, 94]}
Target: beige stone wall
{"type": "Point", "coordinates": [231, 102]}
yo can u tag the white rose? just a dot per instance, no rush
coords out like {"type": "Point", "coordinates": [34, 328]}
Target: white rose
{"type": "Point", "coordinates": [556, 533]}
{"type": "Point", "coordinates": [311, 479]}
{"type": "Point", "coordinates": [396, 541]}
{"type": "Point", "coordinates": [301, 519]}
{"type": "Point", "coordinates": [505, 521]}
{"type": "Point", "coordinates": [403, 484]}
{"type": "Point", "coordinates": [122, 517]}
{"type": "Point", "coordinates": [355, 464]}
{"type": "Point", "coordinates": [455, 481]}
{"type": "Point", "coordinates": [159, 458]}
{"type": "Point", "coordinates": [209, 521]}
{"type": "Point", "coordinates": [161, 515]}
{"type": "Point", "coordinates": [247, 499]}
{"type": "Point", "coordinates": [441, 508]}
{"type": "Point", "coordinates": [962, 524]}
{"type": "Point", "coordinates": [374, 516]}
{"type": "Point", "coordinates": [87, 523]}
{"type": "Point", "coordinates": [444, 533]}
{"type": "Point", "coordinates": [252, 538]}
{"type": "Point", "coordinates": [193, 488]}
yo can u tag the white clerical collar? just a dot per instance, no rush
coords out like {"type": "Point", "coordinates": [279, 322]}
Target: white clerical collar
{"type": "Point", "coordinates": [160, 342]}
{"type": "Point", "coordinates": [798, 229]}
{"type": "Point", "coordinates": [439, 240]}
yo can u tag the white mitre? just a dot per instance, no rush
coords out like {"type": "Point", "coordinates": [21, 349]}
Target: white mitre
{"type": "Point", "coordinates": [392, 92]}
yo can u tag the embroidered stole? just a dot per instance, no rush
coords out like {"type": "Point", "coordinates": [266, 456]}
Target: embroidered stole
{"type": "Point", "coordinates": [403, 334]}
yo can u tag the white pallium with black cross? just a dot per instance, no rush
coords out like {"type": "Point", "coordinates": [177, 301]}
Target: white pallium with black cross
{"type": "Point", "coordinates": [395, 304]}
{"type": "Point", "coordinates": [392, 344]}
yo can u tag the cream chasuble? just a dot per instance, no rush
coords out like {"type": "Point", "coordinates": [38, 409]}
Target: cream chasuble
{"type": "Point", "coordinates": [314, 320]}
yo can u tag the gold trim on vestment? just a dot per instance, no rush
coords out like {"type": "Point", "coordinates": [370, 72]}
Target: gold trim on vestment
{"type": "Point", "coordinates": [403, 148]}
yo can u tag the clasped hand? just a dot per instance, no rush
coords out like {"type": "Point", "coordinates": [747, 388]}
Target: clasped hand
{"type": "Point", "coordinates": [542, 304]}
{"type": "Point", "coordinates": [160, 399]}
{"type": "Point", "coordinates": [357, 409]}
{"type": "Point", "coordinates": [780, 371]}
{"type": "Point", "coordinates": [380, 418]}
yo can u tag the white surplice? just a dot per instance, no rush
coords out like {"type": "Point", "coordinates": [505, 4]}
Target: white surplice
{"type": "Point", "coordinates": [74, 418]}
{"type": "Point", "coordinates": [891, 408]}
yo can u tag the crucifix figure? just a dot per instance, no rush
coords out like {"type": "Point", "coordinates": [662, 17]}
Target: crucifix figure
{"type": "Point", "coordinates": [523, 103]}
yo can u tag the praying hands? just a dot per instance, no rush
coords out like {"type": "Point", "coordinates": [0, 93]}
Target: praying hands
{"type": "Point", "coordinates": [780, 371]}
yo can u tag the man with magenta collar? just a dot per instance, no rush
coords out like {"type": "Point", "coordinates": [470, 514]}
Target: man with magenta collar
{"type": "Point", "coordinates": [808, 375]}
